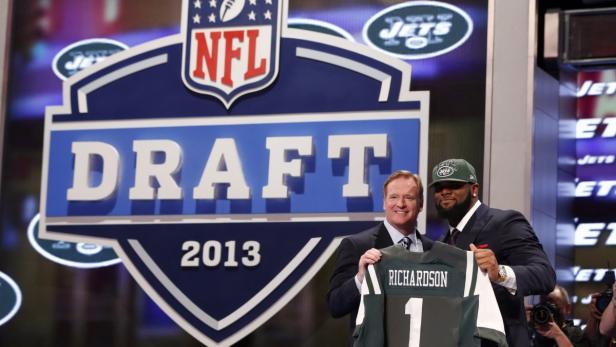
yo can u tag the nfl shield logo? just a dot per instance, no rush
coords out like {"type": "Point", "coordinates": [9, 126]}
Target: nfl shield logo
{"type": "Point", "coordinates": [230, 46]}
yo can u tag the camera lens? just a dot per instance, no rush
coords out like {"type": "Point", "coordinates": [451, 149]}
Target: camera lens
{"type": "Point", "coordinates": [541, 314]}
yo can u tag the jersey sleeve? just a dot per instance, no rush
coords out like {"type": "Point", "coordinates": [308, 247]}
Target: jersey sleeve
{"type": "Point", "coordinates": [489, 320]}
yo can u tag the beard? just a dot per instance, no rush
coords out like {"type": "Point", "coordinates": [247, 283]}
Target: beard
{"type": "Point", "coordinates": [455, 214]}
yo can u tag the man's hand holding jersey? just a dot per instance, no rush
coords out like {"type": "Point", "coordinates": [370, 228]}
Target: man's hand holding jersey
{"type": "Point", "coordinates": [487, 261]}
{"type": "Point", "coordinates": [371, 256]}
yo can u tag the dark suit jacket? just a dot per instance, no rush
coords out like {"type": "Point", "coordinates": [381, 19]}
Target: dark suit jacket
{"type": "Point", "coordinates": [343, 296]}
{"type": "Point", "coordinates": [512, 239]}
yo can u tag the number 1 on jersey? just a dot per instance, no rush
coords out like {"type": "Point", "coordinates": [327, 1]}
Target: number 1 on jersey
{"type": "Point", "coordinates": [413, 308]}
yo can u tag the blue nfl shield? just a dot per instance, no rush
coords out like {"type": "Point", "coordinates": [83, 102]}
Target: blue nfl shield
{"type": "Point", "coordinates": [230, 46]}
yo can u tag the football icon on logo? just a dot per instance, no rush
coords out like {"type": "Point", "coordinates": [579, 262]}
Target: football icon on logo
{"type": "Point", "coordinates": [230, 9]}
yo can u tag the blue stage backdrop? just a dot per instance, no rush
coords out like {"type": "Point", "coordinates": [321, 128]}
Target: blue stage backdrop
{"type": "Point", "coordinates": [224, 164]}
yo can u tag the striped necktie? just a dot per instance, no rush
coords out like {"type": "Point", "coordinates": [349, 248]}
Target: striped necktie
{"type": "Point", "coordinates": [405, 242]}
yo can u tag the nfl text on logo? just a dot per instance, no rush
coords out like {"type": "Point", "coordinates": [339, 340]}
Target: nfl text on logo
{"type": "Point", "coordinates": [223, 182]}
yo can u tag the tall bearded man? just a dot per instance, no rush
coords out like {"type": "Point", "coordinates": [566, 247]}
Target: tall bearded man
{"type": "Point", "coordinates": [503, 243]}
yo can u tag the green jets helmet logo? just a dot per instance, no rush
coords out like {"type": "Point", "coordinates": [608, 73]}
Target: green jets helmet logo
{"type": "Point", "coordinates": [445, 171]}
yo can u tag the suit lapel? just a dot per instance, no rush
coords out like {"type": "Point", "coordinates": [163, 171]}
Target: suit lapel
{"type": "Point", "coordinates": [382, 238]}
{"type": "Point", "coordinates": [472, 229]}
{"type": "Point", "coordinates": [425, 241]}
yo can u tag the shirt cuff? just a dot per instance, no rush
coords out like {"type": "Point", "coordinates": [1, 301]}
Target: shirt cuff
{"type": "Point", "coordinates": [357, 283]}
{"type": "Point", "coordinates": [510, 282]}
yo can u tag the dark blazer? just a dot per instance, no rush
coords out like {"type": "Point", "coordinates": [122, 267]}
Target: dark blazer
{"type": "Point", "coordinates": [512, 239]}
{"type": "Point", "coordinates": [343, 296]}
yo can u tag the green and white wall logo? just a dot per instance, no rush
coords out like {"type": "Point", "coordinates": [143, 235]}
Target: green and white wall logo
{"type": "Point", "coordinates": [10, 298]}
{"type": "Point", "coordinates": [80, 255]}
{"type": "Point", "coordinates": [418, 29]}
{"type": "Point", "coordinates": [83, 54]}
